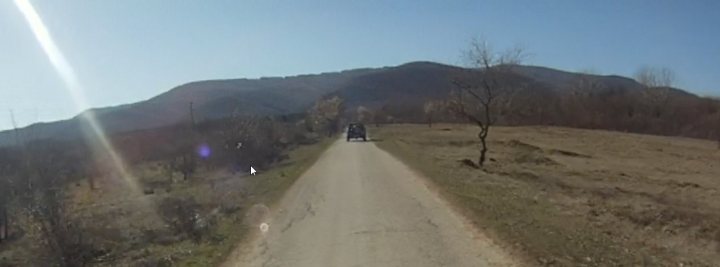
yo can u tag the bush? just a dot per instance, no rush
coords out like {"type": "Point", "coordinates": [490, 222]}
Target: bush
{"type": "Point", "coordinates": [184, 216]}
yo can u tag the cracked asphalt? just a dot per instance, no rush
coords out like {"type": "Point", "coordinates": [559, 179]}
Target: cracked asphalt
{"type": "Point", "coordinates": [359, 206]}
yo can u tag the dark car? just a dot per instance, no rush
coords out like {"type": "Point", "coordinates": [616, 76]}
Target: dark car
{"type": "Point", "coordinates": [356, 130]}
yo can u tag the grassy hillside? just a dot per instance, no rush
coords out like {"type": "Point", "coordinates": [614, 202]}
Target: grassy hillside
{"type": "Point", "coordinates": [573, 197]}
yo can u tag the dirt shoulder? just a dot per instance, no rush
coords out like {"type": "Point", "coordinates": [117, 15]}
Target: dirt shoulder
{"type": "Point", "coordinates": [570, 197]}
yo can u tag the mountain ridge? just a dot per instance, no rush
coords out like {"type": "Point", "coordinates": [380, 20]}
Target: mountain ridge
{"type": "Point", "coordinates": [412, 82]}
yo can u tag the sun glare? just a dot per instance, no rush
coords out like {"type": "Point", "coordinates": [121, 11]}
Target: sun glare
{"type": "Point", "coordinates": [73, 86]}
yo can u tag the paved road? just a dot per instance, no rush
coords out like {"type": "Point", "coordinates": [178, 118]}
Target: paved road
{"type": "Point", "coordinates": [359, 206]}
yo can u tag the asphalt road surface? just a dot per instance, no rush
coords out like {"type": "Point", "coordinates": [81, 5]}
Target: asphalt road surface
{"type": "Point", "coordinates": [359, 206]}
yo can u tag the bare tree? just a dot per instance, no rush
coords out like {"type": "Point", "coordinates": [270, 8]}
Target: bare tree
{"type": "Point", "coordinates": [380, 115]}
{"type": "Point", "coordinates": [364, 114]}
{"type": "Point", "coordinates": [429, 108]}
{"type": "Point", "coordinates": [433, 109]}
{"type": "Point", "coordinates": [655, 77]}
{"type": "Point", "coordinates": [657, 82]}
{"type": "Point", "coordinates": [579, 102]}
{"type": "Point", "coordinates": [326, 114]}
{"type": "Point", "coordinates": [253, 141]}
{"type": "Point", "coordinates": [483, 86]}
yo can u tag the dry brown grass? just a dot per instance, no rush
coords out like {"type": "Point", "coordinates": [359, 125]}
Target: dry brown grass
{"type": "Point", "coordinates": [129, 227]}
{"type": "Point", "coordinates": [575, 197]}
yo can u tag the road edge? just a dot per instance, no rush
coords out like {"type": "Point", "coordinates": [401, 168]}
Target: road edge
{"type": "Point", "coordinates": [244, 245]}
{"type": "Point", "coordinates": [513, 256]}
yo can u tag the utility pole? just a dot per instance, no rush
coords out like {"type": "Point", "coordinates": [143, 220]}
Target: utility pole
{"type": "Point", "coordinates": [192, 116]}
{"type": "Point", "coordinates": [21, 145]}
{"type": "Point", "coordinates": [15, 129]}
{"type": "Point", "coordinates": [188, 158]}
{"type": "Point", "coordinates": [4, 220]}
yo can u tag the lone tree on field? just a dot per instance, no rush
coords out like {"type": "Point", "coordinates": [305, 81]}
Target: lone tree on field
{"type": "Point", "coordinates": [480, 89]}
{"type": "Point", "coordinates": [430, 108]}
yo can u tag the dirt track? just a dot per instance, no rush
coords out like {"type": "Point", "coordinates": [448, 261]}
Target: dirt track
{"type": "Point", "coordinates": [359, 206]}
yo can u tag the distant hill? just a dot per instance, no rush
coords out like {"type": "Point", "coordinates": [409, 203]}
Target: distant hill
{"type": "Point", "coordinates": [410, 84]}
{"type": "Point", "coordinates": [211, 99]}
{"type": "Point", "coordinates": [563, 80]}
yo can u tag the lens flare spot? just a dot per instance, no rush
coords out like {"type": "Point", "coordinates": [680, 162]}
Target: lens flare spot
{"type": "Point", "coordinates": [204, 151]}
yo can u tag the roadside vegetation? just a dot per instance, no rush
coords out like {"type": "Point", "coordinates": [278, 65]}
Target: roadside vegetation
{"type": "Point", "coordinates": [183, 195]}
{"type": "Point", "coordinates": [571, 197]}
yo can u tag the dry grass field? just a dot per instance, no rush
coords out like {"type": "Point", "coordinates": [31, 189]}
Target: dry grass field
{"type": "Point", "coordinates": [572, 197]}
{"type": "Point", "coordinates": [131, 229]}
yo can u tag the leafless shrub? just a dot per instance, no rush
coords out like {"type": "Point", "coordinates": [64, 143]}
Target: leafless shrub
{"type": "Point", "coordinates": [187, 165]}
{"type": "Point", "coordinates": [185, 217]}
{"type": "Point", "coordinates": [63, 236]}
{"type": "Point", "coordinates": [52, 165]}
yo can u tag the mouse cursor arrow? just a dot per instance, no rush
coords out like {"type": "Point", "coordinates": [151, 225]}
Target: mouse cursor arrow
{"type": "Point", "coordinates": [252, 170]}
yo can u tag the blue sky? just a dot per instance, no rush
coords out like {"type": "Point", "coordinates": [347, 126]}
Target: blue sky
{"type": "Point", "coordinates": [131, 50]}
